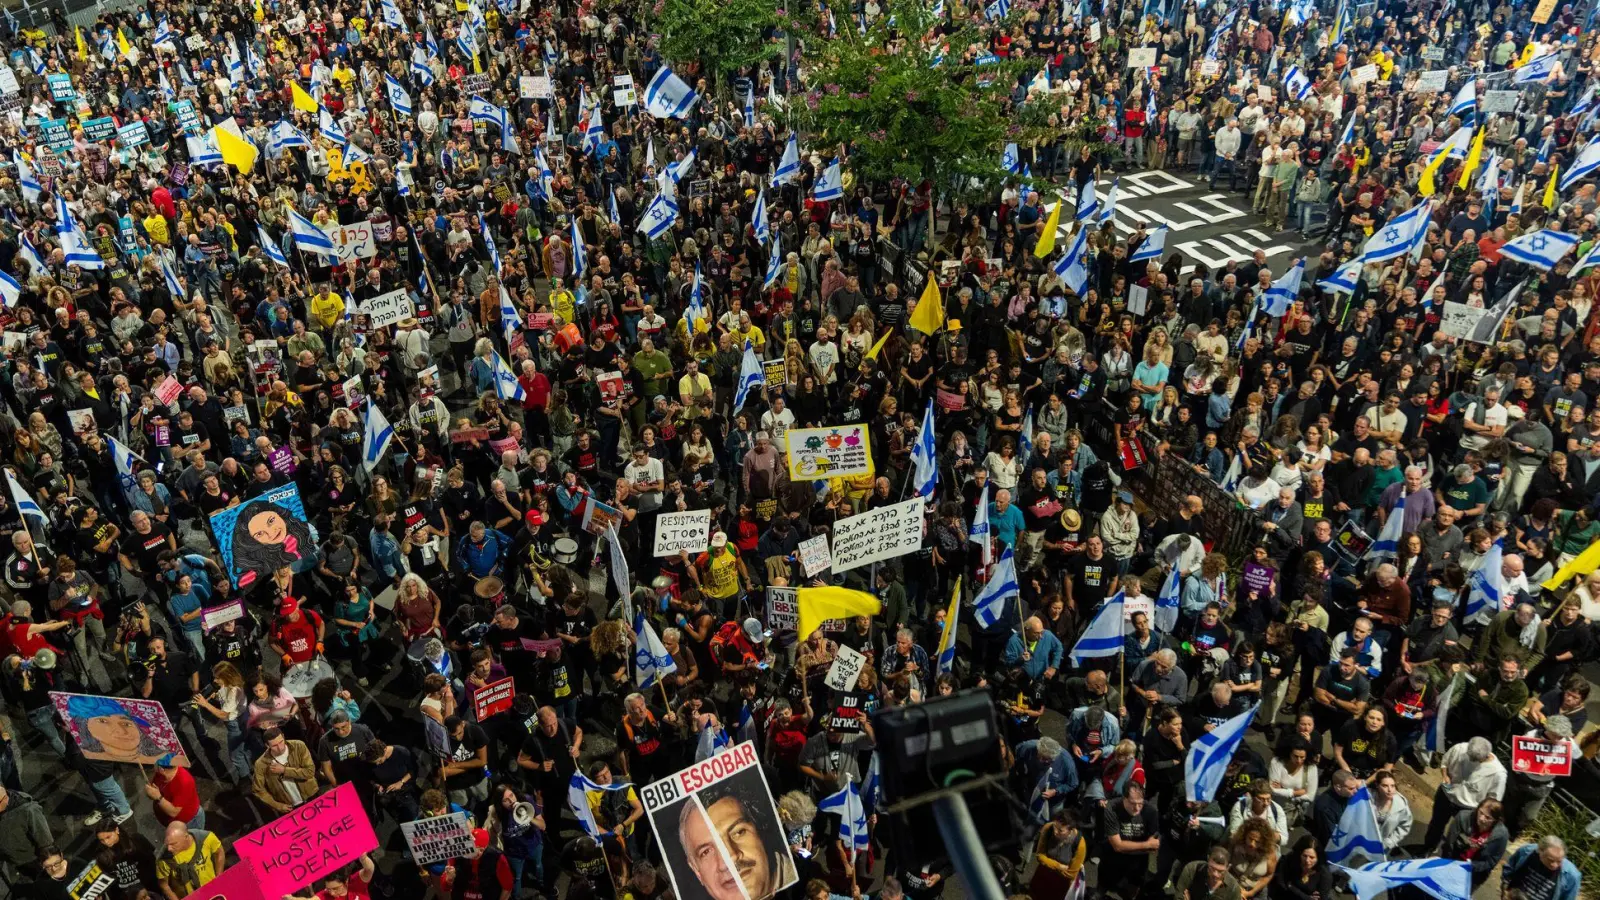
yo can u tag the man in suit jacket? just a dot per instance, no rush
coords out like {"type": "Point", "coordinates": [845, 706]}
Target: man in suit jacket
{"type": "Point", "coordinates": [1282, 521]}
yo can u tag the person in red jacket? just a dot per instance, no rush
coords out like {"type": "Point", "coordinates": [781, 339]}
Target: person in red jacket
{"type": "Point", "coordinates": [485, 875]}
{"type": "Point", "coordinates": [173, 795]}
{"type": "Point", "coordinates": [297, 633]}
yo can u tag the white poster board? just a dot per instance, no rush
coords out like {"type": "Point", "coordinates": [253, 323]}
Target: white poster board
{"type": "Point", "coordinates": [1501, 101]}
{"type": "Point", "coordinates": [783, 610]}
{"type": "Point", "coordinates": [355, 242]}
{"type": "Point", "coordinates": [846, 669]}
{"type": "Point", "coordinates": [689, 531]}
{"type": "Point", "coordinates": [8, 80]}
{"type": "Point", "coordinates": [1138, 299]}
{"type": "Point", "coordinates": [389, 308]}
{"type": "Point", "coordinates": [1364, 74]}
{"type": "Point", "coordinates": [1458, 319]}
{"type": "Point", "coordinates": [1144, 605]}
{"type": "Point", "coordinates": [1432, 82]}
{"type": "Point", "coordinates": [622, 91]}
{"type": "Point", "coordinates": [883, 533]}
{"type": "Point", "coordinates": [814, 555]}
{"type": "Point", "coordinates": [1141, 57]}
{"type": "Point", "coordinates": [440, 838]}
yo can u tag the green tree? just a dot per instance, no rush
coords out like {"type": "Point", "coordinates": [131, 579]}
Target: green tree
{"type": "Point", "coordinates": [722, 36]}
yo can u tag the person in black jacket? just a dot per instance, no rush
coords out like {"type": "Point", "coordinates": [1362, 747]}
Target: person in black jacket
{"type": "Point", "coordinates": [1302, 874]}
{"type": "Point", "coordinates": [1329, 806]}
{"type": "Point", "coordinates": [1481, 832]}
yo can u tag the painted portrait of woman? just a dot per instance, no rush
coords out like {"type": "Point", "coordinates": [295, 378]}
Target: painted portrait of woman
{"type": "Point", "coordinates": [267, 537]}
{"type": "Point", "coordinates": [109, 730]}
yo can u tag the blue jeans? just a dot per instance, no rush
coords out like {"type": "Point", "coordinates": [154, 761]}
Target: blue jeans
{"type": "Point", "coordinates": [238, 750]}
{"type": "Point", "coordinates": [534, 863]}
{"type": "Point", "coordinates": [44, 719]}
{"type": "Point", "coordinates": [199, 820]}
{"type": "Point", "coordinates": [111, 797]}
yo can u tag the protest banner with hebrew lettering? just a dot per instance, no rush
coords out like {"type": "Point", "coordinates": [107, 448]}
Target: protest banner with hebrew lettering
{"type": "Point", "coordinates": [836, 452]}
{"type": "Point", "coordinates": [389, 308]}
{"type": "Point", "coordinates": [883, 533]}
{"type": "Point", "coordinates": [1532, 756]}
{"type": "Point", "coordinates": [439, 838]}
{"type": "Point", "coordinates": [846, 668]}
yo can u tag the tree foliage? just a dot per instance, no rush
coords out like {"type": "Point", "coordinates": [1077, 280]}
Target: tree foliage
{"type": "Point", "coordinates": [723, 36]}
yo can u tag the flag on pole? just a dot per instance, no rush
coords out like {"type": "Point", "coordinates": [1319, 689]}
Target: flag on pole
{"type": "Point", "coordinates": [1073, 268]}
{"type": "Point", "coordinates": [1088, 205]}
{"type": "Point", "coordinates": [846, 804]}
{"type": "Point", "coordinates": [309, 238]}
{"type": "Point", "coordinates": [1155, 244]}
{"type": "Point", "coordinates": [979, 532]}
{"type": "Point", "coordinates": [750, 376]}
{"type": "Point", "coordinates": [1387, 546]}
{"type": "Point", "coordinates": [1103, 637]}
{"type": "Point", "coordinates": [579, 255]}
{"type": "Point", "coordinates": [1207, 760]}
{"type": "Point", "coordinates": [830, 186]}
{"type": "Point", "coordinates": [1357, 833]}
{"type": "Point", "coordinates": [26, 179]}
{"type": "Point", "coordinates": [1108, 209]}
{"type": "Point", "coordinates": [1275, 302]}
{"type": "Point", "coordinates": [26, 505]}
{"type": "Point", "coordinates": [1344, 280]}
{"type": "Point", "coordinates": [652, 662]}
{"type": "Point", "coordinates": [1433, 737]}
{"type": "Point", "coordinates": [398, 97]}
{"type": "Point", "coordinates": [925, 458]}
{"type": "Point", "coordinates": [1047, 241]}
{"type": "Point", "coordinates": [928, 317]}
{"type": "Point", "coordinates": [1399, 235]}
{"type": "Point", "coordinates": [1168, 601]}
{"type": "Point", "coordinates": [659, 217]}
{"type": "Point", "coordinates": [123, 460]}
{"type": "Point", "coordinates": [758, 219]}
{"type": "Point", "coordinates": [506, 385]}
{"type": "Point", "coordinates": [947, 638]}
{"type": "Point", "coordinates": [989, 606]}
{"type": "Point", "coordinates": [270, 247]}
{"type": "Point", "coordinates": [1537, 69]}
{"type": "Point", "coordinates": [1442, 879]}
{"type": "Point", "coordinates": [1588, 261]}
{"type": "Point", "coordinates": [579, 790]}
{"type": "Point", "coordinates": [1541, 249]}
{"type": "Point", "coordinates": [1010, 159]}
{"type": "Point", "coordinates": [1587, 161]}
{"type": "Point", "coordinates": [375, 440]}
{"type": "Point", "coordinates": [667, 96]}
{"type": "Point", "coordinates": [789, 166]}
{"type": "Point", "coordinates": [1486, 585]}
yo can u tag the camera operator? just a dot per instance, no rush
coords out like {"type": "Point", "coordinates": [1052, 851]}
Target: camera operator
{"type": "Point", "coordinates": [171, 678]}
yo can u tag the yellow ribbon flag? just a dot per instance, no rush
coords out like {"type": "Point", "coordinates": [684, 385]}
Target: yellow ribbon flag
{"type": "Point", "coordinates": [236, 151]}
{"type": "Point", "coordinates": [1425, 185]}
{"type": "Point", "coordinates": [929, 314]}
{"type": "Point", "coordinates": [1473, 157]}
{"type": "Point", "coordinates": [83, 49]}
{"type": "Point", "coordinates": [302, 100]}
{"type": "Point", "coordinates": [876, 348]}
{"type": "Point", "coordinates": [1047, 241]}
{"type": "Point", "coordinates": [818, 605]}
{"type": "Point", "coordinates": [1527, 53]}
{"type": "Point", "coordinates": [122, 44]}
{"type": "Point", "coordinates": [1582, 564]}
{"type": "Point", "coordinates": [1549, 201]}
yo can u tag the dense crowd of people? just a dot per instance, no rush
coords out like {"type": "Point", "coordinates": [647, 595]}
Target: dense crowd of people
{"type": "Point", "coordinates": [1306, 476]}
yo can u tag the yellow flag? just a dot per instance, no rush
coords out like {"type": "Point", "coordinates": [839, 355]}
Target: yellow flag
{"type": "Point", "coordinates": [1549, 201]}
{"type": "Point", "coordinates": [261, 13]}
{"type": "Point", "coordinates": [236, 151]}
{"type": "Point", "coordinates": [477, 67]}
{"type": "Point", "coordinates": [83, 49]}
{"type": "Point", "coordinates": [122, 44]}
{"type": "Point", "coordinates": [302, 100]}
{"type": "Point", "coordinates": [1047, 241]}
{"type": "Point", "coordinates": [1473, 157]}
{"type": "Point", "coordinates": [1582, 564]}
{"type": "Point", "coordinates": [818, 605]}
{"type": "Point", "coordinates": [929, 314]}
{"type": "Point", "coordinates": [1527, 53]}
{"type": "Point", "coordinates": [1425, 185]}
{"type": "Point", "coordinates": [873, 353]}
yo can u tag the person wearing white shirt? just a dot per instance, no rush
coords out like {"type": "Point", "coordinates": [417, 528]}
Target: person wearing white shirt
{"type": "Point", "coordinates": [1227, 142]}
{"type": "Point", "coordinates": [777, 420]}
{"type": "Point", "coordinates": [1483, 420]}
{"type": "Point", "coordinates": [1257, 803]}
{"type": "Point", "coordinates": [825, 359]}
{"type": "Point", "coordinates": [1472, 774]}
{"type": "Point", "coordinates": [1369, 653]}
{"type": "Point", "coordinates": [645, 474]}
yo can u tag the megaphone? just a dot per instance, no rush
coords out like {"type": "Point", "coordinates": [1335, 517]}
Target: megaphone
{"type": "Point", "coordinates": [523, 814]}
{"type": "Point", "coordinates": [45, 658]}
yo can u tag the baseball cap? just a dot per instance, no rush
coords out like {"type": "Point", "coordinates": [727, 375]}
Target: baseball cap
{"type": "Point", "coordinates": [480, 838]}
{"type": "Point", "coordinates": [754, 631]}
{"type": "Point", "coordinates": [534, 518]}
{"type": "Point", "coordinates": [720, 539]}
{"type": "Point", "coordinates": [288, 607]}
{"type": "Point", "coordinates": [1125, 496]}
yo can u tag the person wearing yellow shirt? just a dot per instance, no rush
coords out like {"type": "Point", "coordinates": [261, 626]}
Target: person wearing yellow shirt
{"type": "Point", "coordinates": [190, 859]}
{"type": "Point", "coordinates": [693, 388]}
{"type": "Point", "coordinates": [327, 308]}
{"type": "Point", "coordinates": [749, 331]}
{"type": "Point", "coordinates": [155, 225]}
{"type": "Point", "coordinates": [562, 302]}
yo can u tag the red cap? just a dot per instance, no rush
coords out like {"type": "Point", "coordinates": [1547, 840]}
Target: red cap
{"type": "Point", "coordinates": [534, 518]}
{"type": "Point", "coordinates": [288, 607]}
{"type": "Point", "coordinates": [480, 838]}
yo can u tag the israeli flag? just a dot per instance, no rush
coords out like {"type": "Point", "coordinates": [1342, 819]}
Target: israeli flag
{"type": "Point", "coordinates": [488, 243]}
{"type": "Point", "coordinates": [547, 175]}
{"type": "Point", "coordinates": [1088, 205]}
{"type": "Point", "coordinates": [164, 34]}
{"type": "Point", "coordinates": [579, 255]}
{"type": "Point", "coordinates": [990, 604]}
{"type": "Point", "coordinates": [750, 108]}
{"type": "Point", "coordinates": [354, 154]}
{"type": "Point", "coordinates": [1010, 160]}
{"type": "Point", "coordinates": [578, 790]}
{"type": "Point", "coordinates": [123, 459]}
{"type": "Point", "coordinates": [1025, 437]}
{"type": "Point", "coordinates": [925, 457]}
{"type": "Point", "coordinates": [1516, 201]}
{"type": "Point", "coordinates": [330, 129]}
{"type": "Point", "coordinates": [284, 136]}
{"type": "Point", "coordinates": [1588, 160]}
{"type": "Point", "coordinates": [1486, 585]}
{"type": "Point", "coordinates": [999, 9]}
{"type": "Point", "coordinates": [1545, 147]}
{"type": "Point", "coordinates": [270, 247]}
{"type": "Point", "coordinates": [32, 256]}
{"type": "Point", "coordinates": [76, 249]}
{"type": "Point", "coordinates": [1208, 757]}
{"type": "Point", "coordinates": [677, 171]}
{"type": "Point", "coordinates": [1538, 69]}
{"type": "Point", "coordinates": [750, 376]}
{"type": "Point", "coordinates": [979, 532]}
{"type": "Point", "coordinates": [946, 659]}
{"type": "Point", "coordinates": [1296, 84]}
{"type": "Point", "coordinates": [1442, 879]}
{"type": "Point", "coordinates": [1155, 244]}
{"type": "Point", "coordinates": [10, 290]}
{"type": "Point", "coordinates": [1542, 249]}
{"type": "Point", "coordinates": [1399, 236]}
{"type": "Point", "coordinates": [309, 238]}
{"type": "Point", "coordinates": [758, 220]}
{"type": "Point", "coordinates": [1427, 298]}
{"type": "Point", "coordinates": [1168, 601]}
{"type": "Point", "coordinates": [1103, 637]}
{"type": "Point", "coordinates": [398, 98]}
{"type": "Point", "coordinates": [1387, 546]}
{"type": "Point", "coordinates": [1344, 280]}
{"type": "Point", "coordinates": [31, 187]}
{"type": "Point", "coordinates": [1108, 209]}
{"type": "Point", "coordinates": [846, 804]}
{"type": "Point", "coordinates": [1275, 302]}
{"type": "Point", "coordinates": [392, 16]}
{"type": "Point", "coordinates": [1072, 268]}
{"type": "Point", "coordinates": [1348, 136]}
{"type": "Point", "coordinates": [789, 166]}
{"type": "Point", "coordinates": [1235, 473]}
{"type": "Point", "coordinates": [1465, 104]}
{"type": "Point", "coordinates": [166, 86]}
{"type": "Point", "coordinates": [651, 660]}
{"type": "Point", "coordinates": [203, 150]}
{"type": "Point", "coordinates": [667, 96]}
{"type": "Point", "coordinates": [831, 185]}
{"type": "Point", "coordinates": [375, 439]}
{"type": "Point", "coordinates": [1589, 261]}
{"type": "Point", "coordinates": [506, 384]}
{"type": "Point", "coordinates": [1433, 737]}
{"type": "Point", "coordinates": [1585, 102]}
{"type": "Point", "coordinates": [774, 265]}
{"type": "Point", "coordinates": [170, 276]}
{"type": "Point", "coordinates": [1357, 833]}
{"type": "Point", "coordinates": [595, 133]}
{"type": "Point", "coordinates": [659, 217]}
{"type": "Point", "coordinates": [420, 70]}
{"type": "Point", "coordinates": [509, 320]}
{"type": "Point", "coordinates": [697, 307]}
{"type": "Point", "coordinates": [25, 504]}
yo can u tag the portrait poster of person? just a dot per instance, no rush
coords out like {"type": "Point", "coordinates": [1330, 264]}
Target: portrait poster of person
{"type": "Point", "coordinates": [721, 839]}
{"type": "Point", "coordinates": [265, 535]}
{"type": "Point", "coordinates": [118, 729]}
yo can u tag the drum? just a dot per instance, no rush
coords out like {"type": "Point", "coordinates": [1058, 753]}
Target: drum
{"type": "Point", "coordinates": [566, 550]}
{"type": "Point", "coordinates": [302, 678]}
{"type": "Point", "coordinates": [490, 590]}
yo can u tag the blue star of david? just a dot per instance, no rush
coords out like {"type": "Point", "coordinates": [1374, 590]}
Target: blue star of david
{"type": "Point", "coordinates": [1393, 234]}
{"type": "Point", "coordinates": [1538, 242]}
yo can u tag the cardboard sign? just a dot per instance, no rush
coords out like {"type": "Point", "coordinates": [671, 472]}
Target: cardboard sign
{"type": "Point", "coordinates": [1210, 68]}
{"type": "Point", "coordinates": [1138, 299]}
{"type": "Point", "coordinates": [1532, 756]}
{"type": "Point", "coordinates": [814, 555]}
{"type": "Point", "coordinates": [1364, 74]}
{"type": "Point", "coordinates": [1542, 12]}
{"type": "Point", "coordinates": [775, 372]}
{"type": "Point", "coordinates": [1094, 32]}
{"type": "Point", "coordinates": [883, 533]}
{"type": "Point", "coordinates": [355, 242]}
{"type": "Point", "coordinates": [168, 390]}
{"type": "Point", "coordinates": [819, 453]}
{"type": "Point", "coordinates": [622, 91]}
{"type": "Point", "coordinates": [213, 616]}
{"type": "Point", "coordinates": [783, 611]}
{"type": "Point", "coordinates": [1141, 57]}
{"type": "Point", "coordinates": [494, 697]}
{"type": "Point", "coordinates": [1433, 54]}
{"type": "Point", "coordinates": [440, 838]}
{"type": "Point", "coordinates": [1501, 101]}
{"type": "Point", "coordinates": [1432, 82]}
{"type": "Point", "coordinates": [389, 308]}
{"type": "Point", "coordinates": [689, 531]}
{"type": "Point", "coordinates": [698, 807]}
{"type": "Point", "coordinates": [118, 729]}
{"type": "Point", "coordinates": [8, 80]}
{"type": "Point", "coordinates": [846, 669]}
{"type": "Point", "coordinates": [309, 842]}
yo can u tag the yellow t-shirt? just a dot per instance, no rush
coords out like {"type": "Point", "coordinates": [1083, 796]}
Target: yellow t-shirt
{"type": "Point", "coordinates": [168, 865]}
{"type": "Point", "coordinates": [564, 304]}
{"type": "Point", "coordinates": [155, 225]}
{"type": "Point", "coordinates": [327, 308]}
{"type": "Point", "coordinates": [722, 575]}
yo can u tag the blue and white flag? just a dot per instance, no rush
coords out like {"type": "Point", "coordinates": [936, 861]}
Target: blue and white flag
{"type": "Point", "coordinates": [1073, 268]}
{"type": "Point", "coordinates": [1344, 280]}
{"type": "Point", "coordinates": [75, 247]}
{"type": "Point", "coordinates": [679, 170]}
{"type": "Point", "coordinates": [1025, 437]}
{"type": "Point", "coordinates": [123, 460]}
{"type": "Point", "coordinates": [510, 321]}
{"type": "Point", "coordinates": [1357, 833]}
{"type": "Point", "coordinates": [830, 184]}
{"type": "Point", "coordinates": [1545, 146]}
{"type": "Point", "coordinates": [696, 312]}
{"type": "Point", "coordinates": [1348, 135]}
{"type": "Point", "coordinates": [203, 150]}
{"type": "Point", "coordinates": [1516, 201]}
{"type": "Point", "coordinates": [1539, 68]}
{"type": "Point", "coordinates": [26, 505]}
{"type": "Point", "coordinates": [789, 166]}
{"type": "Point", "coordinates": [998, 9]}
{"type": "Point", "coordinates": [506, 385]}
{"type": "Point", "coordinates": [1486, 585]}
{"type": "Point", "coordinates": [989, 606]}
{"type": "Point", "coordinates": [1155, 244]}
{"type": "Point", "coordinates": [1235, 472]}
{"type": "Point", "coordinates": [330, 129]}
{"type": "Point", "coordinates": [846, 804]}
{"type": "Point", "coordinates": [164, 34]}
{"type": "Point", "coordinates": [667, 96]}
{"type": "Point", "coordinates": [29, 182]}
{"type": "Point", "coordinates": [578, 790]}
{"type": "Point", "coordinates": [750, 376]}
{"type": "Point", "coordinates": [1276, 300]}
{"type": "Point", "coordinates": [1442, 879]}
{"type": "Point", "coordinates": [284, 136]}
{"type": "Point", "coordinates": [1103, 637]}
{"type": "Point", "coordinates": [1585, 102]}
{"type": "Point", "coordinates": [10, 290]}
{"type": "Point", "coordinates": [978, 533]}
{"type": "Point", "coordinates": [375, 439]}
{"type": "Point", "coordinates": [1589, 261]}
{"type": "Point", "coordinates": [1010, 160]}
{"type": "Point", "coordinates": [1465, 104]}
{"type": "Point", "coordinates": [595, 134]}
{"type": "Point", "coordinates": [1208, 757]}
{"type": "Point", "coordinates": [1433, 737]}
{"type": "Point", "coordinates": [309, 238]}
{"type": "Point", "coordinates": [1399, 236]}
{"type": "Point", "coordinates": [392, 16]}
{"type": "Point", "coordinates": [1168, 600]}
{"type": "Point", "coordinates": [758, 220]}
{"type": "Point", "coordinates": [420, 70]}
{"type": "Point", "coordinates": [488, 243]}
{"type": "Point", "coordinates": [1108, 209]}
{"type": "Point", "coordinates": [170, 276]}
{"type": "Point", "coordinates": [1387, 546]}
{"type": "Point", "coordinates": [398, 98]}
{"type": "Point", "coordinates": [271, 248]}
{"type": "Point", "coordinates": [658, 217]}
{"type": "Point", "coordinates": [925, 458]}
{"type": "Point", "coordinates": [1088, 205]}
{"type": "Point", "coordinates": [774, 265]}
{"type": "Point", "coordinates": [616, 214]}
{"type": "Point", "coordinates": [580, 256]}
{"type": "Point", "coordinates": [1296, 84]}
{"type": "Point", "coordinates": [652, 662]}
{"type": "Point", "coordinates": [32, 256]}
{"type": "Point", "coordinates": [1542, 249]}
{"type": "Point", "coordinates": [1588, 160]}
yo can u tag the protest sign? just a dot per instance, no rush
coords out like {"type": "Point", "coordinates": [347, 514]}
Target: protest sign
{"type": "Point", "coordinates": [118, 729]}
{"type": "Point", "coordinates": [133, 134]}
{"type": "Point", "coordinates": [814, 555]}
{"type": "Point", "coordinates": [775, 372]}
{"type": "Point", "coordinates": [61, 87]}
{"type": "Point", "coordinates": [355, 241]}
{"type": "Point", "coordinates": [212, 616]}
{"type": "Point", "coordinates": [90, 884]}
{"type": "Point", "coordinates": [783, 611]}
{"type": "Point", "coordinates": [1364, 74]}
{"type": "Point", "coordinates": [622, 91]}
{"type": "Point", "coordinates": [439, 839]}
{"type": "Point", "coordinates": [597, 516]}
{"type": "Point", "coordinates": [1138, 299]}
{"type": "Point", "coordinates": [1541, 13]}
{"type": "Point", "coordinates": [1210, 68]}
{"type": "Point", "coordinates": [1501, 101]}
{"type": "Point", "coordinates": [260, 537]}
{"type": "Point", "coordinates": [536, 87]}
{"type": "Point", "coordinates": [100, 129]}
{"type": "Point", "coordinates": [389, 308]}
{"type": "Point", "coordinates": [1458, 319]}
{"type": "Point", "coordinates": [694, 811]}
{"type": "Point", "coordinates": [167, 390]}
{"type": "Point", "coordinates": [1433, 54]}
{"type": "Point", "coordinates": [55, 134]}
{"type": "Point", "coordinates": [477, 83]}
{"type": "Point", "coordinates": [883, 533]}
{"type": "Point", "coordinates": [235, 883]}
{"type": "Point", "coordinates": [8, 80]}
{"type": "Point", "coordinates": [354, 395]}
{"type": "Point", "coordinates": [188, 118]}
{"type": "Point", "coordinates": [309, 842]}
{"type": "Point", "coordinates": [846, 668]}
{"type": "Point", "coordinates": [1141, 57]}
{"type": "Point", "coordinates": [1532, 756]}
{"type": "Point", "coordinates": [688, 531]}
{"type": "Point", "coordinates": [1432, 82]}
{"type": "Point", "coordinates": [494, 697]}
{"type": "Point", "coordinates": [533, 645]}
{"type": "Point", "coordinates": [818, 453]}
{"type": "Point", "coordinates": [1138, 605]}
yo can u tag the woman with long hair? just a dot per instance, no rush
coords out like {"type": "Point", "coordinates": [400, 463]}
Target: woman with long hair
{"type": "Point", "coordinates": [1059, 851]}
{"type": "Point", "coordinates": [1303, 874]}
{"type": "Point", "coordinates": [1255, 856]}
{"type": "Point", "coordinates": [227, 703]}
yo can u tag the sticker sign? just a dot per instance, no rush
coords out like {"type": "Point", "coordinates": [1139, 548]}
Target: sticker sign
{"type": "Point", "coordinates": [309, 842]}
{"type": "Point", "coordinates": [883, 533]}
{"type": "Point", "coordinates": [846, 669]}
{"type": "Point", "coordinates": [819, 453]}
{"type": "Point", "coordinates": [389, 308]}
{"type": "Point", "coordinates": [688, 531]}
{"type": "Point", "coordinates": [814, 555]}
{"type": "Point", "coordinates": [1532, 756]}
{"type": "Point", "coordinates": [494, 697]}
{"type": "Point", "coordinates": [440, 838]}
{"type": "Point", "coordinates": [214, 616]}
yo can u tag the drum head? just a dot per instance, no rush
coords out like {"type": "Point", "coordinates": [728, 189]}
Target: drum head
{"type": "Point", "coordinates": [302, 679]}
{"type": "Point", "coordinates": [489, 587]}
{"type": "Point", "coordinates": [566, 550]}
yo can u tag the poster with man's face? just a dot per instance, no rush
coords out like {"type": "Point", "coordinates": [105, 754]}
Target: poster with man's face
{"type": "Point", "coordinates": [718, 829]}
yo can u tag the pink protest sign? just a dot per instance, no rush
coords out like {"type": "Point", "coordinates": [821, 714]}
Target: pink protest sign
{"type": "Point", "coordinates": [235, 883]}
{"type": "Point", "coordinates": [308, 843]}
